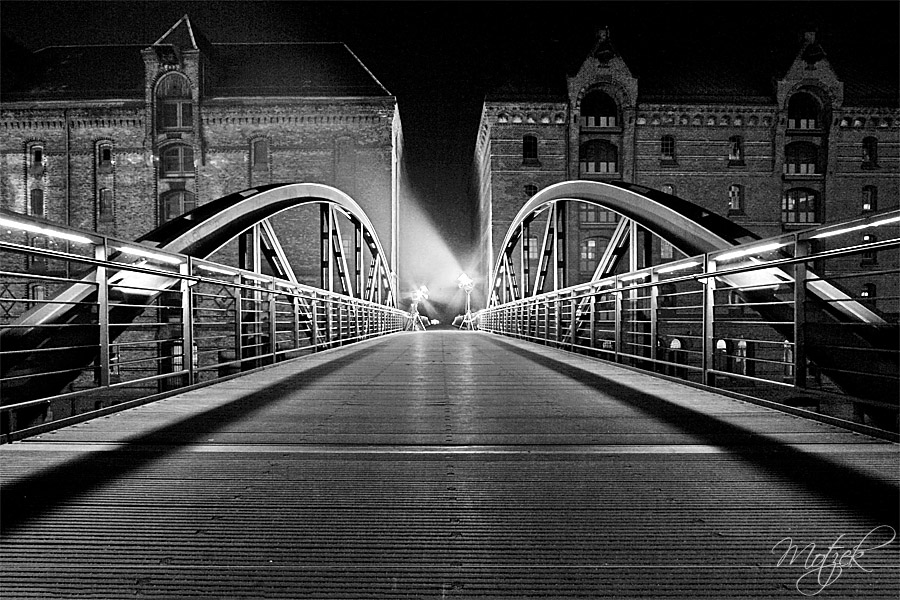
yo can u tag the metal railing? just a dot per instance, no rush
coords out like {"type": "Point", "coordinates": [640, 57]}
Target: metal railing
{"type": "Point", "coordinates": [737, 320]}
{"type": "Point", "coordinates": [92, 324]}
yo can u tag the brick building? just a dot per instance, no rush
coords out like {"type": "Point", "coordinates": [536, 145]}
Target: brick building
{"type": "Point", "coordinates": [775, 139]}
{"type": "Point", "coordinates": [121, 138]}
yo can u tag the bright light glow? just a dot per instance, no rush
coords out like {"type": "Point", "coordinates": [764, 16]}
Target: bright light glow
{"type": "Point", "coordinates": [749, 251]}
{"type": "Point", "coordinates": [131, 251]}
{"type": "Point", "coordinates": [679, 267]}
{"type": "Point", "coordinates": [634, 276]}
{"type": "Point", "coordinates": [843, 230]}
{"type": "Point", "coordinates": [79, 239]}
{"type": "Point", "coordinates": [214, 270]}
{"type": "Point", "coordinates": [419, 294]}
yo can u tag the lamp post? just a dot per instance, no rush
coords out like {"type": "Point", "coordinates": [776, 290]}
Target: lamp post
{"type": "Point", "coordinates": [467, 284]}
{"type": "Point", "coordinates": [416, 322]}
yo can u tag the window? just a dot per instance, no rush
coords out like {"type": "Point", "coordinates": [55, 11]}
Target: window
{"type": "Point", "coordinates": [259, 154]}
{"type": "Point", "coordinates": [588, 256]}
{"type": "Point", "coordinates": [530, 190]}
{"type": "Point", "coordinates": [36, 204]}
{"type": "Point", "coordinates": [174, 107]}
{"type": "Point", "coordinates": [174, 204]}
{"type": "Point", "coordinates": [869, 257]}
{"type": "Point", "coordinates": [529, 149]}
{"type": "Point", "coordinates": [868, 291]}
{"type": "Point", "coordinates": [869, 153]}
{"type": "Point", "coordinates": [36, 160]}
{"type": "Point", "coordinates": [37, 292]}
{"type": "Point", "coordinates": [801, 158]}
{"type": "Point", "coordinates": [803, 112]}
{"type": "Point", "coordinates": [799, 205]}
{"type": "Point", "coordinates": [591, 213]}
{"type": "Point", "coordinates": [39, 262]}
{"type": "Point", "coordinates": [599, 110]}
{"type": "Point", "coordinates": [534, 248]}
{"type": "Point", "coordinates": [668, 189]}
{"type": "Point", "coordinates": [735, 199]}
{"type": "Point", "coordinates": [104, 158]}
{"type": "Point", "coordinates": [665, 250]}
{"type": "Point", "coordinates": [105, 206]}
{"type": "Point", "coordinates": [177, 161]}
{"type": "Point", "coordinates": [599, 156]}
{"type": "Point", "coordinates": [869, 198]}
{"type": "Point", "coordinates": [735, 151]}
{"type": "Point", "coordinates": [667, 149]}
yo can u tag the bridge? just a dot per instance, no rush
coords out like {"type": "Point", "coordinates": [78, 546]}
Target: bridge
{"type": "Point", "coordinates": [311, 447]}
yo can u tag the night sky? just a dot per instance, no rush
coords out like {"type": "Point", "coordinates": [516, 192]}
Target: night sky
{"type": "Point", "coordinates": [439, 58]}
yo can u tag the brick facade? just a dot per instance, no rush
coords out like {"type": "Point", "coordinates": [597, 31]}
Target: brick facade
{"type": "Point", "coordinates": [624, 140]}
{"type": "Point", "coordinates": [119, 162]}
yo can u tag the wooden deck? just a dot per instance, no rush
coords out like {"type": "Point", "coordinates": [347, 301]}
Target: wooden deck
{"type": "Point", "coordinates": [448, 464]}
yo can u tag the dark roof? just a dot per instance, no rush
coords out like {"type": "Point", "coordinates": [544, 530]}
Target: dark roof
{"type": "Point", "coordinates": [117, 72]}
{"type": "Point", "coordinates": [292, 69]}
{"type": "Point", "coordinates": [707, 69]}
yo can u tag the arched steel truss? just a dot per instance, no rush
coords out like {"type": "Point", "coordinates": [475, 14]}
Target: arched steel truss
{"type": "Point", "coordinates": [208, 228]}
{"type": "Point", "coordinates": [688, 227]}
{"type": "Point", "coordinates": [68, 322]}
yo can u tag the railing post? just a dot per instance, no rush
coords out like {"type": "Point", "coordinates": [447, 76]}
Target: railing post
{"type": "Point", "coordinates": [801, 248]}
{"type": "Point", "coordinates": [654, 317]}
{"type": "Point", "coordinates": [617, 327]}
{"type": "Point", "coordinates": [100, 253]}
{"type": "Point", "coordinates": [238, 319]}
{"type": "Point", "coordinates": [187, 321]}
{"type": "Point", "coordinates": [314, 313]}
{"type": "Point", "coordinates": [573, 323]}
{"type": "Point", "coordinates": [273, 325]}
{"type": "Point", "coordinates": [592, 320]}
{"type": "Point", "coordinates": [295, 309]}
{"type": "Point", "coordinates": [709, 311]}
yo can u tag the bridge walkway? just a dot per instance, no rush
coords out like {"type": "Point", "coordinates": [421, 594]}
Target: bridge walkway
{"type": "Point", "coordinates": [447, 464]}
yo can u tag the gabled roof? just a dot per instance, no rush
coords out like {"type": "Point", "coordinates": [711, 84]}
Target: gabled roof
{"type": "Point", "coordinates": [318, 70]}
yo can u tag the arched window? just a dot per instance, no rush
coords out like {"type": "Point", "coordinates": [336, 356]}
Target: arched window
{"type": "Point", "coordinates": [36, 203]}
{"type": "Point", "coordinates": [259, 154]}
{"type": "Point", "coordinates": [529, 149]}
{"type": "Point", "coordinates": [174, 109]}
{"type": "Point", "coordinates": [177, 161]}
{"type": "Point", "coordinates": [599, 110]}
{"type": "Point", "coordinates": [104, 157]}
{"type": "Point", "coordinates": [588, 255]}
{"type": "Point", "coordinates": [804, 112]}
{"type": "Point", "coordinates": [869, 198]}
{"type": "Point", "coordinates": [668, 189]}
{"type": "Point", "coordinates": [530, 190]}
{"type": "Point", "coordinates": [735, 199]}
{"type": "Point", "coordinates": [667, 149]}
{"type": "Point", "coordinates": [869, 153]}
{"type": "Point", "coordinates": [801, 158]}
{"type": "Point", "coordinates": [175, 203]}
{"type": "Point", "coordinates": [799, 205]}
{"type": "Point", "coordinates": [599, 156]}
{"type": "Point", "coordinates": [735, 150]}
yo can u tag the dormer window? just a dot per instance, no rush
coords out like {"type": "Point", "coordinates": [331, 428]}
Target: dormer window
{"type": "Point", "coordinates": [804, 112]}
{"type": "Point", "coordinates": [599, 110]}
{"type": "Point", "coordinates": [174, 106]}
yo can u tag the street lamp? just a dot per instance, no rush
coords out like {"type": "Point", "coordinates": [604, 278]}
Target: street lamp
{"type": "Point", "coordinates": [467, 284]}
{"type": "Point", "coordinates": [416, 322]}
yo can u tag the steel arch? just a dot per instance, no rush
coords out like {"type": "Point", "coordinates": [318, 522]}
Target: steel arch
{"type": "Point", "coordinates": [688, 227]}
{"type": "Point", "coordinates": [209, 227]}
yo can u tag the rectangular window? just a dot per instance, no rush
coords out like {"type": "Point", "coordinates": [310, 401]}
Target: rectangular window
{"type": "Point", "coordinates": [105, 206]}
{"type": "Point", "coordinates": [534, 248]}
{"type": "Point", "coordinates": [529, 148]}
{"type": "Point", "coordinates": [36, 203]}
{"type": "Point", "coordinates": [665, 250]}
{"type": "Point", "coordinates": [260, 154]}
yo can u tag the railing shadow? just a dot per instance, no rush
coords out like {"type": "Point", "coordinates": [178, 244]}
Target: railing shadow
{"type": "Point", "coordinates": [29, 497]}
{"type": "Point", "coordinates": [858, 491]}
